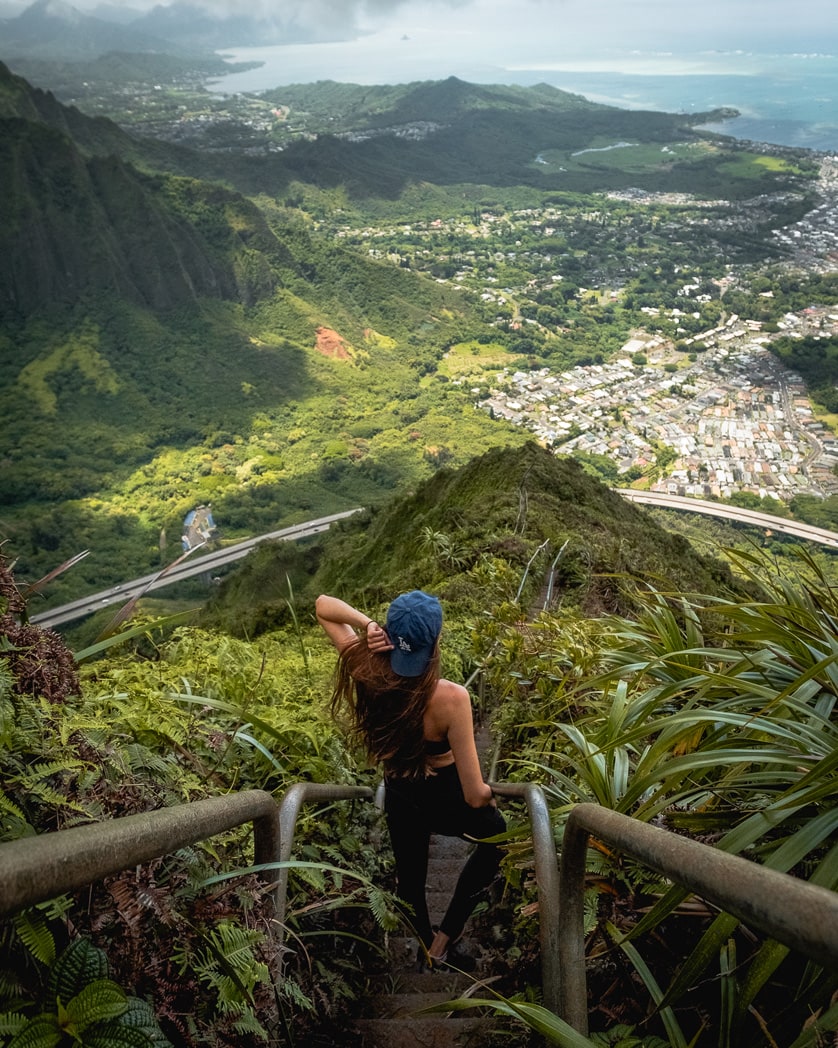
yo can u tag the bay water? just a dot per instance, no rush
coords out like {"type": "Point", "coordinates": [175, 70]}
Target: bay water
{"type": "Point", "coordinates": [788, 99]}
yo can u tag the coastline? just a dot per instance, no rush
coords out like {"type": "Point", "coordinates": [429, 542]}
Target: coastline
{"type": "Point", "coordinates": [787, 100]}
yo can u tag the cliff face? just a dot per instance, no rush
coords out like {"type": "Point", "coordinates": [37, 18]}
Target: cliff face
{"type": "Point", "coordinates": [75, 217]}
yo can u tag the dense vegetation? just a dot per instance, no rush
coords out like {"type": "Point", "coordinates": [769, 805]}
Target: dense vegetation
{"type": "Point", "coordinates": [282, 335]}
{"type": "Point", "coordinates": [709, 712]}
{"type": "Point", "coordinates": [816, 359]}
{"type": "Point", "coordinates": [170, 342]}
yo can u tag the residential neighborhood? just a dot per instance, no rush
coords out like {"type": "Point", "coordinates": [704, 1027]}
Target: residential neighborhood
{"type": "Point", "coordinates": [735, 418]}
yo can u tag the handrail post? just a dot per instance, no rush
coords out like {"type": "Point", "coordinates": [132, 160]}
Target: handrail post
{"type": "Point", "coordinates": [547, 882]}
{"type": "Point", "coordinates": [289, 809]}
{"type": "Point", "coordinates": [798, 914]}
{"type": "Point", "coordinates": [266, 842]}
{"type": "Point", "coordinates": [573, 1000]}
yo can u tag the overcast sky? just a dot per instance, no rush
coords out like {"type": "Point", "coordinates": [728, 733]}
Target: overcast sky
{"type": "Point", "coordinates": [643, 24]}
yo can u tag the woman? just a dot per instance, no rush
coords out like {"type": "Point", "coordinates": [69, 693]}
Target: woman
{"type": "Point", "coordinates": [419, 726]}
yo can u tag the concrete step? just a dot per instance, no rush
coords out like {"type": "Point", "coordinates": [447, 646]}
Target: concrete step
{"type": "Point", "coordinates": [399, 1005]}
{"type": "Point", "coordinates": [404, 973]}
{"type": "Point", "coordinates": [430, 1032]}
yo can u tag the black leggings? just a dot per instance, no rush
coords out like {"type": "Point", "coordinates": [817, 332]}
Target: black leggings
{"type": "Point", "coordinates": [415, 809]}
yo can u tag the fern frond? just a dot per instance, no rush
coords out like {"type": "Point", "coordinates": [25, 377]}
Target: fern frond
{"type": "Point", "coordinates": [383, 909]}
{"type": "Point", "coordinates": [32, 930]}
{"type": "Point", "coordinates": [248, 1024]}
{"type": "Point", "coordinates": [46, 769]}
{"type": "Point", "coordinates": [229, 965]}
{"type": "Point", "coordinates": [7, 681]}
{"type": "Point", "coordinates": [49, 796]}
{"type": "Point", "coordinates": [10, 807]}
{"type": "Point", "coordinates": [11, 1023]}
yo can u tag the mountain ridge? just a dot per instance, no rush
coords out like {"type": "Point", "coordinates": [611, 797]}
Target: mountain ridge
{"type": "Point", "coordinates": [57, 30]}
{"type": "Point", "coordinates": [469, 534]}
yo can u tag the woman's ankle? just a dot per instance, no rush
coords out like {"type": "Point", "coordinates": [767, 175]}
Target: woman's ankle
{"type": "Point", "coordinates": [438, 949]}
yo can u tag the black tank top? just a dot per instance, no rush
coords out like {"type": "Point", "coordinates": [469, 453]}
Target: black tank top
{"type": "Point", "coordinates": [436, 747]}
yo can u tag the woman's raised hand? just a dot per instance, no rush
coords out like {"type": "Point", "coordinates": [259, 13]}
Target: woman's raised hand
{"type": "Point", "coordinates": [377, 639]}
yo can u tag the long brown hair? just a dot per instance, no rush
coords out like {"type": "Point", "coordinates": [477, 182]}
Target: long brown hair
{"type": "Point", "coordinates": [386, 711]}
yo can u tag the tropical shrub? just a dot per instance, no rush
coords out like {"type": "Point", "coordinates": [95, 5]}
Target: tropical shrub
{"type": "Point", "coordinates": [133, 734]}
{"type": "Point", "coordinates": [732, 742]}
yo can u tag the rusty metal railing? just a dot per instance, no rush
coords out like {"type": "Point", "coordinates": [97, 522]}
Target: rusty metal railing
{"type": "Point", "coordinates": [802, 916]}
{"type": "Point", "coordinates": [547, 883]}
{"type": "Point", "coordinates": [293, 800]}
{"type": "Point", "coordinates": [36, 868]}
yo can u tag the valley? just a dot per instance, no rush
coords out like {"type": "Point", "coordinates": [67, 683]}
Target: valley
{"type": "Point", "coordinates": [500, 320]}
{"type": "Point", "coordinates": [370, 296]}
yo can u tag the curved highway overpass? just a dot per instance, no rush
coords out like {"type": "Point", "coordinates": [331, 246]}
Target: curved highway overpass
{"type": "Point", "coordinates": [181, 570]}
{"type": "Point", "coordinates": [744, 516]}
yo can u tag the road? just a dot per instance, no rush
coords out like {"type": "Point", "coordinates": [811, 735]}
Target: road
{"type": "Point", "coordinates": [746, 516]}
{"type": "Point", "coordinates": [210, 562]}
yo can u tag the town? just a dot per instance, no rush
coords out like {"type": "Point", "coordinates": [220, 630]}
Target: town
{"type": "Point", "coordinates": [735, 418]}
{"type": "Point", "coordinates": [694, 403]}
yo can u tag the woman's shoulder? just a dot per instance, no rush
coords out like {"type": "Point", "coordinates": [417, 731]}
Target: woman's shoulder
{"type": "Point", "coordinates": [447, 693]}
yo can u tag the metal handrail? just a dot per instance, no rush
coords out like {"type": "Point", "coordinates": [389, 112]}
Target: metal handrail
{"type": "Point", "coordinates": [547, 883]}
{"type": "Point", "coordinates": [289, 810]}
{"type": "Point", "coordinates": [36, 868]}
{"type": "Point", "coordinates": [800, 915]}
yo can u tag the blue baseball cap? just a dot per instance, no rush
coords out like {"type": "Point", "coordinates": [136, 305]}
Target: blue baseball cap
{"type": "Point", "coordinates": [414, 622]}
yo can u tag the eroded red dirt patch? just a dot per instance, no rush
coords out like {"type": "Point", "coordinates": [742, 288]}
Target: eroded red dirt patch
{"type": "Point", "coordinates": [330, 344]}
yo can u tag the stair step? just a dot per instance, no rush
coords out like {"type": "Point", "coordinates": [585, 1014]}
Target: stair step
{"type": "Point", "coordinates": [452, 984]}
{"type": "Point", "coordinates": [400, 1005]}
{"type": "Point", "coordinates": [422, 1033]}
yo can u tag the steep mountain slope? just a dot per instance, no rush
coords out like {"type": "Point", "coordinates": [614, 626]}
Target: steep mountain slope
{"type": "Point", "coordinates": [71, 225]}
{"type": "Point", "coordinates": [165, 341]}
{"type": "Point", "coordinates": [505, 503]}
{"type": "Point", "coordinates": [468, 535]}
{"type": "Point", "coordinates": [93, 136]}
{"type": "Point", "coordinates": [56, 29]}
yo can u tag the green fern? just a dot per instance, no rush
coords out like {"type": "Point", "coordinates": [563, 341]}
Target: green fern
{"type": "Point", "coordinates": [11, 808]}
{"type": "Point", "coordinates": [7, 681]}
{"type": "Point", "coordinates": [383, 909]}
{"type": "Point", "coordinates": [11, 1023]}
{"type": "Point", "coordinates": [229, 962]}
{"type": "Point", "coordinates": [31, 927]}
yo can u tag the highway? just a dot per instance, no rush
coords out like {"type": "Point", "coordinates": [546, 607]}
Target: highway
{"type": "Point", "coordinates": [210, 562]}
{"type": "Point", "coordinates": [219, 558]}
{"type": "Point", "coordinates": [745, 516]}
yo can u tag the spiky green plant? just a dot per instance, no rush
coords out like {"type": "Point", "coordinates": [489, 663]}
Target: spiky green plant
{"type": "Point", "coordinates": [734, 741]}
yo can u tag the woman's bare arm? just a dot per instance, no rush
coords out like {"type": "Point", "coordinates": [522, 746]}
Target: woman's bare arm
{"type": "Point", "coordinates": [340, 622]}
{"type": "Point", "coordinates": [455, 709]}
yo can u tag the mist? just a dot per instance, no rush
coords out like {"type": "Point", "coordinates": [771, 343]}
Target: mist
{"type": "Point", "coordinates": [568, 25]}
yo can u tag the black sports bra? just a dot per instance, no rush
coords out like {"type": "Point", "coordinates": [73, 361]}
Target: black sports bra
{"type": "Point", "coordinates": [436, 747]}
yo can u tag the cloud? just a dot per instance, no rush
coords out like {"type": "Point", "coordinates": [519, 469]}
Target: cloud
{"type": "Point", "coordinates": [566, 24]}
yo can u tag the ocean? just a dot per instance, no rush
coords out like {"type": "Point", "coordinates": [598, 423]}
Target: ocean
{"type": "Point", "coordinates": [787, 99]}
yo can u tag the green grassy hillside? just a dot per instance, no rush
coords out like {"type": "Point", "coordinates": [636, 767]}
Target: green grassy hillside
{"type": "Point", "coordinates": [165, 342]}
